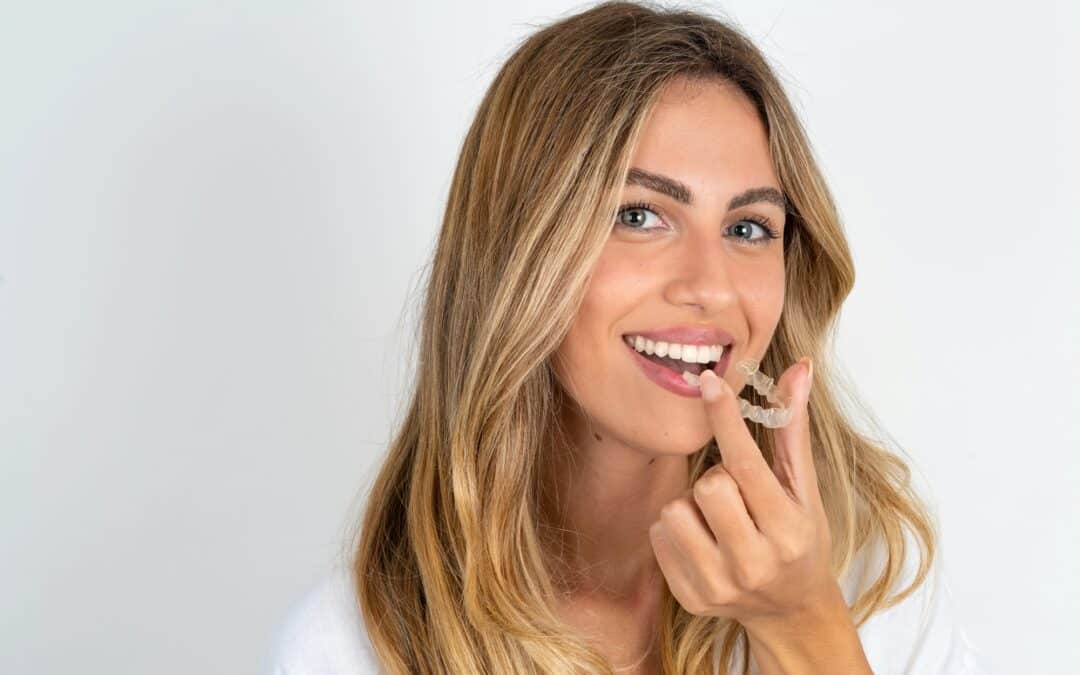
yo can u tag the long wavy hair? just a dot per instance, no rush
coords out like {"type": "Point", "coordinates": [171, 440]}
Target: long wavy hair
{"type": "Point", "coordinates": [451, 564]}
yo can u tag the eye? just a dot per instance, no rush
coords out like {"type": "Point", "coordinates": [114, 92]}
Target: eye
{"type": "Point", "coordinates": [634, 217]}
{"type": "Point", "coordinates": [746, 225]}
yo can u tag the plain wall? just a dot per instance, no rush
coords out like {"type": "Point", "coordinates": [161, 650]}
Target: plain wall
{"type": "Point", "coordinates": [213, 222]}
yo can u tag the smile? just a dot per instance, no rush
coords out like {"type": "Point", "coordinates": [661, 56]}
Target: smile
{"type": "Point", "coordinates": [665, 362]}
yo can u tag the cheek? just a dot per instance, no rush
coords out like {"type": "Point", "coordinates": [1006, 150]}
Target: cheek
{"type": "Point", "coordinates": [763, 297]}
{"type": "Point", "coordinates": [618, 284]}
{"type": "Point", "coordinates": [614, 289]}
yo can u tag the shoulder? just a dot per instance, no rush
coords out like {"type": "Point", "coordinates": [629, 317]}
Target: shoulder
{"type": "Point", "coordinates": [323, 633]}
{"type": "Point", "coordinates": [920, 634]}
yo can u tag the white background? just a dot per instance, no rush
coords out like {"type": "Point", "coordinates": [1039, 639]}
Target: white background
{"type": "Point", "coordinates": [214, 218]}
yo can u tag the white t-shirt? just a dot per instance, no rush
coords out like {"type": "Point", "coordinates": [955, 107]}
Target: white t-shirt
{"type": "Point", "coordinates": [323, 632]}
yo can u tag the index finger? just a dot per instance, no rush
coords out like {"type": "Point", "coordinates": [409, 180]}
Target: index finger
{"type": "Point", "coordinates": [768, 503]}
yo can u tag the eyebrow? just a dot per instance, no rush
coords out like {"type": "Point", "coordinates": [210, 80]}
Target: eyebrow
{"type": "Point", "coordinates": [681, 193]}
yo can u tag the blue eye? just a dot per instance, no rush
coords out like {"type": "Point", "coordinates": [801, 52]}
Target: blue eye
{"type": "Point", "coordinates": [640, 210]}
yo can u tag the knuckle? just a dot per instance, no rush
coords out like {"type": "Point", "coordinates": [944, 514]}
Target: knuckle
{"type": "Point", "coordinates": [714, 483]}
{"type": "Point", "coordinates": [790, 548]}
{"type": "Point", "coordinates": [673, 511]}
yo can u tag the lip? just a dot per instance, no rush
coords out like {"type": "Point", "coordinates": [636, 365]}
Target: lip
{"type": "Point", "coordinates": [688, 334]}
{"type": "Point", "coordinates": [669, 379]}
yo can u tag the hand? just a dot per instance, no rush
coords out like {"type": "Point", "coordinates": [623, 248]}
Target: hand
{"type": "Point", "coordinates": [749, 541]}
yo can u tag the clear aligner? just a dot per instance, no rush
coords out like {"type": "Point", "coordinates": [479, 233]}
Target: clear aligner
{"type": "Point", "coordinates": [769, 417]}
{"type": "Point", "coordinates": [762, 384]}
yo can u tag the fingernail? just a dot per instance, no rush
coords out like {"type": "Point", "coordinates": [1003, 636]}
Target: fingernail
{"type": "Point", "coordinates": [710, 385]}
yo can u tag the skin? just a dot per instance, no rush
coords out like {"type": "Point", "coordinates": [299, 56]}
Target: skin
{"type": "Point", "coordinates": [623, 480]}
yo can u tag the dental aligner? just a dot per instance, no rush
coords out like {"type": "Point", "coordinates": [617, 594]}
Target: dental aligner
{"type": "Point", "coordinates": [764, 385]}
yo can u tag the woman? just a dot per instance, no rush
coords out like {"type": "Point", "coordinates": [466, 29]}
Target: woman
{"type": "Point", "coordinates": [560, 497]}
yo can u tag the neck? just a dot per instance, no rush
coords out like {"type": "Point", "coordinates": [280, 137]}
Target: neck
{"type": "Point", "coordinates": [605, 495]}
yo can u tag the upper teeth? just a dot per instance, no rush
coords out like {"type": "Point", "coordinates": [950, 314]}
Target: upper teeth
{"type": "Point", "coordinates": [674, 350]}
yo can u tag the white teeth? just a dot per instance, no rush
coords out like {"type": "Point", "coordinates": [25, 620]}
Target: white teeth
{"type": "Point", "coordinates": [688, 353]}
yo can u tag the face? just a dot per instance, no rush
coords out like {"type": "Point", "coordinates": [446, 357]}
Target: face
{"type": "Point", "coordinates": [700, 256]}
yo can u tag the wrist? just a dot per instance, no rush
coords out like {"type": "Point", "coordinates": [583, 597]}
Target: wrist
{"type": "Point", "coordinates": [820, 638]}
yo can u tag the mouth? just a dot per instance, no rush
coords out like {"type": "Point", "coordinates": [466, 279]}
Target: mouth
{"type": "Point", "coordinates": [676, 365]}
{"type": "Point", "coordinates": [669, 373]}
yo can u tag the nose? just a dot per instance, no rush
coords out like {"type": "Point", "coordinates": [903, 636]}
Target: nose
{"type": "Point", "coordinates": [700, 276]}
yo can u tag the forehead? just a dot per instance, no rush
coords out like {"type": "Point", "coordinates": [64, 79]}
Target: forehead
{"type": "Point", "coordinates": [708, 135]}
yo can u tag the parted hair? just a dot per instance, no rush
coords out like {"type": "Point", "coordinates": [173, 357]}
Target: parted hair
{"type": "Point", "coordinates": [452, 567]}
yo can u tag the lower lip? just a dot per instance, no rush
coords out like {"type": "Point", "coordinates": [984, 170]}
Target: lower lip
{"type": "Point", "coordinates": [669, 379]}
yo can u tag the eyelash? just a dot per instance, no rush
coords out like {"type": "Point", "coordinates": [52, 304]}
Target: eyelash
{"type": "Point", "coordinates": [770, 231]}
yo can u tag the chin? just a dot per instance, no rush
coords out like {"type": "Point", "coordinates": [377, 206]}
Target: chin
{"type": "Point", "coordinates": [675, 447]}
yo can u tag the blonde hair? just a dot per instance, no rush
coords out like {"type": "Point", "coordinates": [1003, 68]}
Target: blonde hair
{"type": "Point", "coordinates": [451, 567]}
